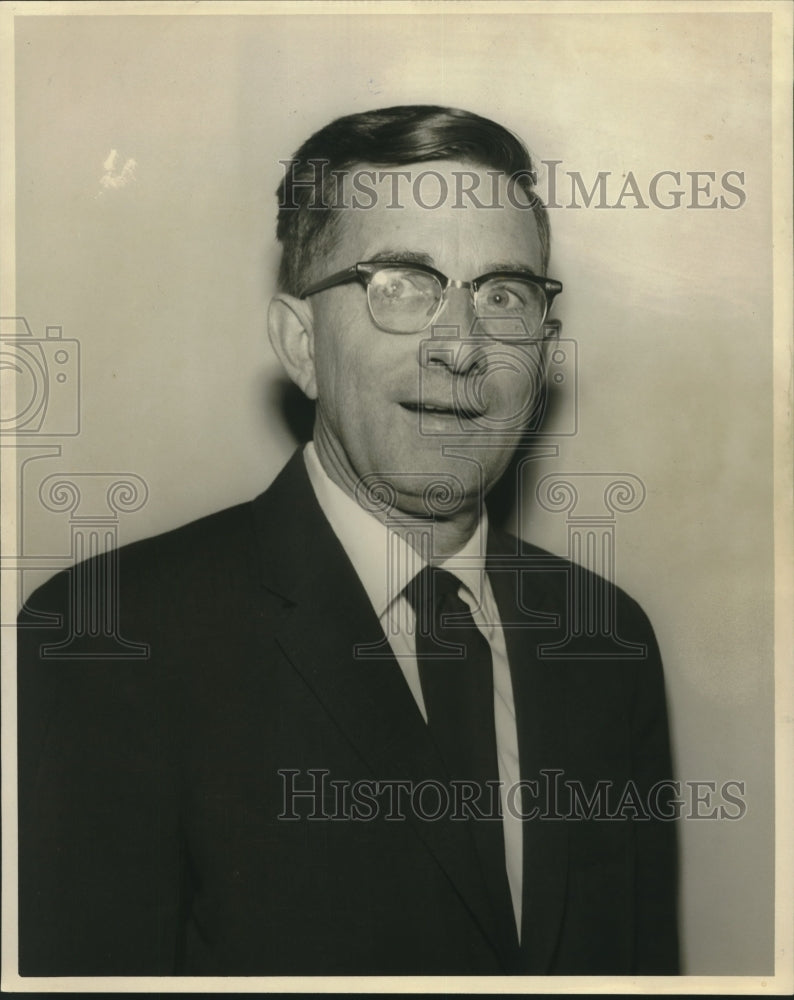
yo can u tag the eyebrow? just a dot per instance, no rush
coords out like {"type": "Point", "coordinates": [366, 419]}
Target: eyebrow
{"type": "Point", "coordinates": [397, 255]}
{"type": "Point", "coordinates": [510, 265]}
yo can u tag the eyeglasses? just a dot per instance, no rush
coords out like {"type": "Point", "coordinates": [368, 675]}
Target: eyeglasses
{"type": "Point", "coordinates": [408, 298]}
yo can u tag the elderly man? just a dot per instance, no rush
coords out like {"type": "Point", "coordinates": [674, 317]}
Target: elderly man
{"type": "Point", "coordinates": [360, 743]}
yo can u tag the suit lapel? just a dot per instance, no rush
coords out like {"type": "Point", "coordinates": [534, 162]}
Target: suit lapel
{"type": "Point", "coordinates": [327, 616]}
{"type": "Point", "coordinates": [527, 592]}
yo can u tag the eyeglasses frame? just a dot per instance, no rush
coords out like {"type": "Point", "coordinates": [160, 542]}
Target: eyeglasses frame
{"type": "Point", "coordinates": [364, 271]}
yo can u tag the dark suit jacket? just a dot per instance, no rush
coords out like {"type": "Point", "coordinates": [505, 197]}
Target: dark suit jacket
{"type": "Point", "coordinates": [150, 792]}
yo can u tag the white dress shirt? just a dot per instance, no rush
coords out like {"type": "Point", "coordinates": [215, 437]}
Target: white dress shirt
{"type": "Point", "coordinates": [385, 564]}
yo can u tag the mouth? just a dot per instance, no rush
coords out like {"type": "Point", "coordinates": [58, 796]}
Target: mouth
{"type": "Point", "coordinates": [442, 410]}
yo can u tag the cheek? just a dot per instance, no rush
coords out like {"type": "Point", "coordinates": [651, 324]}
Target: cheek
{"type": "Point", "coordinates": [357, 365]}
{"type": "Point", "coordinates": [338, 355]}
{"type": "Point", "coordinates": [511, 380]}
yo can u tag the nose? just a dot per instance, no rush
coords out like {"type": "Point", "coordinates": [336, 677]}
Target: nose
{"type": "Point", "coordinates": [451, 343]}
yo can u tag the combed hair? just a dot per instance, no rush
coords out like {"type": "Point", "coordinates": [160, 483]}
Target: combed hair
{"type": "Point", "coordinates": [388, 137]}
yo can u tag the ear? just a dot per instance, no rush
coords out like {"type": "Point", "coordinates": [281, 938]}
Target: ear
{"type": "Point", "coordinates": [290, 324]}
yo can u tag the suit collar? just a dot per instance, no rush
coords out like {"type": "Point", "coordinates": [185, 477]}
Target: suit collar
{"type": "Point", "coordinates": [332, 637]}
{"type": "Point", "coordinates": [291, 538]}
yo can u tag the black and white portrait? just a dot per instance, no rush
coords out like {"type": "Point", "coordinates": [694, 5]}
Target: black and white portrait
{"type": "Point", "coordinates": [394, 534]}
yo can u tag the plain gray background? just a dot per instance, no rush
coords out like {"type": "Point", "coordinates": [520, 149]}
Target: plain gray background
{"type": "Point", "coordinates": [165, 282]}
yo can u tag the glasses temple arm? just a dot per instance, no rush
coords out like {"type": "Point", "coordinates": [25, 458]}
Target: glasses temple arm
{"type": "Point", "coordinates": [339, 278]}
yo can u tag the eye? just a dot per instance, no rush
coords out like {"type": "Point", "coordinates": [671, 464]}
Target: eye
{"type": "Point", "coordinates": [402, 284]}
{"type": "Point", "coordinates": [503, 296]}
{"type": "Point", "coordinates": [393, 286]}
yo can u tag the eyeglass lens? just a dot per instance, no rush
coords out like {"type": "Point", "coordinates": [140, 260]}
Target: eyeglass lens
{"type": "Point", "coordinates": [404, 300]}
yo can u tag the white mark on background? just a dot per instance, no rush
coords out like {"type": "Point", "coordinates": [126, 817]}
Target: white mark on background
{"type": "Point", "coordinates": [116, 175]}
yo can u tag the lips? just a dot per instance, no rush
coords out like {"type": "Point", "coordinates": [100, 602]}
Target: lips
{"type": "Point", "coordinates": [440, 409]}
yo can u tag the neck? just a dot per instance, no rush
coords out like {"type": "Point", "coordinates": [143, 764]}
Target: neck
{"type": "Point", "coordinates": [449, 534]}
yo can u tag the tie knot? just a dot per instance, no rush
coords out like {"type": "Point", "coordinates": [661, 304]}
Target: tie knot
{"type": "Point", "coordinates": [430, 587]}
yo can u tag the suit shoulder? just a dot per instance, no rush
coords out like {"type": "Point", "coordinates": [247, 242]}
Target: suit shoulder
{"type": "Point", "coordinates": [208, 533]}
{"type": "Point", "coordinates": [177, 555]}
{"type": "Point", "coordinates": [560, 571]}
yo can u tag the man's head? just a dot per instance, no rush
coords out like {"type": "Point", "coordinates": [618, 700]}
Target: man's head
{"type": "Point", "coordinates": [387, 138]}
{"type": "Point", "coordinates": [437, 392]}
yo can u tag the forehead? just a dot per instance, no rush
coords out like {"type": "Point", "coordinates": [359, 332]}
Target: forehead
{"type": "Point", "coordinates": [466, 219]}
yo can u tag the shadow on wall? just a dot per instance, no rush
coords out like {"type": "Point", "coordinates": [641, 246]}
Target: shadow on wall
{"type": "Point", "coordinates": [297, 412]}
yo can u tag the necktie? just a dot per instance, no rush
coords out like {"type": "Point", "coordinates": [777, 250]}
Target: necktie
{"type": "Point", "coordinates": [455, 670]}
{"type": "Point", "coordinates": [456, 673]}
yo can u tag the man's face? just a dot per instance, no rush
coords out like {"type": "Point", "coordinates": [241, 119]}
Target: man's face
{"type": "Point", "coordinates": [386, 402]}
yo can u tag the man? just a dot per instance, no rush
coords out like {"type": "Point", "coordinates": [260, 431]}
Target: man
{"type": "Point", "coordinates": [360, 743]}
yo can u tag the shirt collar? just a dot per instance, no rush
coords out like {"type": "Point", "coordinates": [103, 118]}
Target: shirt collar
{"type": "Point", "coordinates": [384, 561]}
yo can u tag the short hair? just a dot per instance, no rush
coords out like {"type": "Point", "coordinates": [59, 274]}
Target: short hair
{"type": "Point", "coordinates": [387, 137]}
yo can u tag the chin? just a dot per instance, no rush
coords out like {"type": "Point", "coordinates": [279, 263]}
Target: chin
{"type": "Point", "coordinates": [443, 489]}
